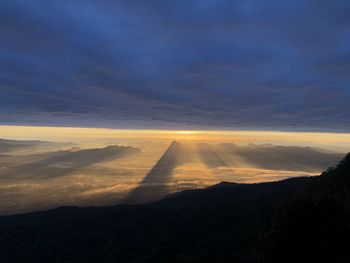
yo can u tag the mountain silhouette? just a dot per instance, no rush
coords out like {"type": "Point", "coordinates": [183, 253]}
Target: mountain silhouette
{"type": "Point", "coordinates": [313, 225]}
{"type": "Point", "coordinates": [303, 219]}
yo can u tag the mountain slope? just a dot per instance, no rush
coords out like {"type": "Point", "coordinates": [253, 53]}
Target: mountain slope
{"type": "Point", "coordinates": [224, 223]}
{"type": "Point", "coordinates": [313, 225]}
{"type": "Point", "coordinates": [218, 224]}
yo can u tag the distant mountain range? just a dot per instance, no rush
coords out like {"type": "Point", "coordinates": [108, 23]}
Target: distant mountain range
{"type": "Point", "coordinates": [295, 220]}
{"type": "Point", "coordinates": [8, 146]}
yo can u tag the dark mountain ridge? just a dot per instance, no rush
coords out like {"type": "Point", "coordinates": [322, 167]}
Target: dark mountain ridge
{"type": "Point", "coordinates": [313, 225]}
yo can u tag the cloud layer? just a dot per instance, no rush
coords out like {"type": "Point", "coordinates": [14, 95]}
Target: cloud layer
{"type": "Point", "coordinates": [203, 64]}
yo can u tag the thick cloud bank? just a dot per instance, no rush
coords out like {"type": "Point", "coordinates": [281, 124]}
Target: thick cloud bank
{"type": "Point", "coordinates": [217, 64]}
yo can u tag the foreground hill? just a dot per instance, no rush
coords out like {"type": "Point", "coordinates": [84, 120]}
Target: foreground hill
{"type": "Point", "coordinates": [295, 220]}
{"type": "Point", "coordinates": [313, 225]}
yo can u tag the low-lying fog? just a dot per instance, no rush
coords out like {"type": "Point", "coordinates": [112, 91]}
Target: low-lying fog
{"type": "Point", "coordinates": [36, 175]}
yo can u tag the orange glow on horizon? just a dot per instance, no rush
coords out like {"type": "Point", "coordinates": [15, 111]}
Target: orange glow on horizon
{"type": "Point", "coordinates": [77, 134]}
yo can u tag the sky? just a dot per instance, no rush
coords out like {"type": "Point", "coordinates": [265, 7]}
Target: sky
{"type": "Point", "coordinates": [253, 65]}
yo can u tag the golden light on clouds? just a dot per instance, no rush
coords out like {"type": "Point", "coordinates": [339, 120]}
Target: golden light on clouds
{"type": "Point", "coordinates": [77, 134]}
{"type": "Point", "coordinates": [29, 183]}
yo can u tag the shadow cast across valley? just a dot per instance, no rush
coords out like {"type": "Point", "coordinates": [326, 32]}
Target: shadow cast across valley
{"type": "Point", "coordinates": [154, 185]}
{"type": "Point", "coordinates": [209, 156]}
{"type": "Point", "coordinates": [67, 162]}
{"type": "Point", "coordinates": [289, 158]}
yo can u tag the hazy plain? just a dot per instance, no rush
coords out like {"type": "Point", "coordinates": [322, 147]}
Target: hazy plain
{"type": "Point", "coordinates": [46, 167]}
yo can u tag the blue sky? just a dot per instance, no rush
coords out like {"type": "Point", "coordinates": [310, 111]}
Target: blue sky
{"type": "Point", "coordinates": [272, 65]}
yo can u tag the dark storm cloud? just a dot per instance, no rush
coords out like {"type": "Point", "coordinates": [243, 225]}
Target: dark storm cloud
{"type": "Point", "coordinates": [217, 64]}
